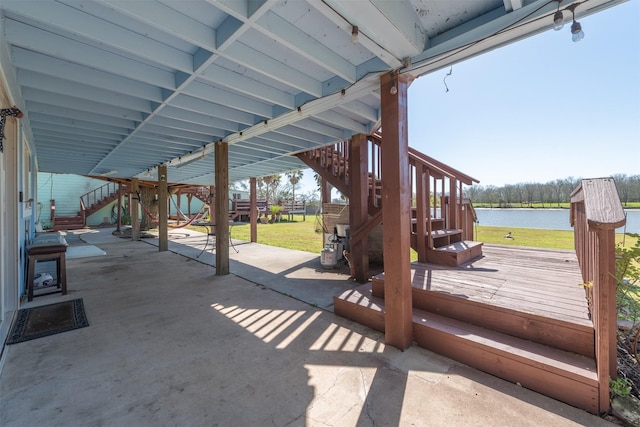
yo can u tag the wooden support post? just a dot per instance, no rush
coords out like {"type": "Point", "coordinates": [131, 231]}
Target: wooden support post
{"type": "Point", "coordinates": [119, 207]}
{"type": "Point", "coordinates": [253, 208]}
{"type": "Point", "coordinates": [453, 204]}
{"type": "Point", "coordinates": [222, 208]}
{"type": "Point", "coordinates": [163, 226]}
{"type": "Point", "coordinates": [212, 203]}
{"type": "Point", "coordinates": [606, 321]}
{"type": "Point", "coordinates": [422, 184]}
{"type": "Point", "coordinates": [135, 200]}
{"type": "Point", "coordinates": [396, 203]}
{"type": "Point", "coordinates": [325, 191]}
{"type": "Point", "coordinates": [189, 198]}
{"type": "Point", "coordinates": [358, 204]}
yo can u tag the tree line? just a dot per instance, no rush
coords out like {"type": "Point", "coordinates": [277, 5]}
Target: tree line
{"type": "Point", "coordinates": [553, 193]}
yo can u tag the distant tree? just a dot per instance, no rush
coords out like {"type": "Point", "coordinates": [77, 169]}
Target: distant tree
{"type": "Point", "coordinates": [520, 193]}
{"type": "Point", "coordinates": [556, 190]}
{"type": "Point", "coordinates": [270, 184]}
{"type": "Point", "coordinates": [529, 191]}
{"type": "Point", "coordinates": [294, 178]}
{"type": "Point", "coordinates": [492, 196]}
{"type": "Point", "coordinates": [472, 192]}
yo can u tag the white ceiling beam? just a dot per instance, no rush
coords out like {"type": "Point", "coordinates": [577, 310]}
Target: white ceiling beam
{"type": "Point", "coordinates": [318, 127]}
{"type": "Point", "coordinates": [272, 68]}
{"type": "Point", "coordinates": [361, 109]}
{"type": "Point", "coordinates": [511, 5]}
{"type": "Point", "coordinates": [178, 136]}
{"type": "Point", "coordinates": [184, 125]}
{"type": "Point", "coordinates": [209, 108]}
{"type": "Point", "coordinates": [52, 84]}
{"type": "Point", "coordinates": [32, 38]}
{"type": "Point", "coordinates": [62, 141]}
{"type": "Point", "coordinates": [81, 24]}
{"type": "Point", "coordinates": [70, 102]}
{"type": "Point", "coordinates": [96, 140]}
{"type": "Point", "coordinates": [303, 134]}
{"type": "Point", "coordinates": [232, 100]}
{"type": "Point", "coordinates": [47, 65]}
{"type": "Point", "coordinates": [393, 25]}
{"type": "Point", "coordinates": [296, 143]}
{"type": "Point", "coordinates": [166, 19]}
{"type": "Point", "coordinates": [266, 145]}
{"type": "Point", "coordinates": [331, 117]}
{"type": "Point", "coordinates": [385, 55]}
{"type": "Point", "coordinates": [202, 122]}
{"type": "Point", "coordinates": [87, 116]}
{"type": "Point", "coordinates": [59, 128]}
{"type": "Point", "coordinates": [252, 88]}
{"type": "Point", "coordinates": [80, 125]}
{"type": "Point", "coordinates": [273, 26]}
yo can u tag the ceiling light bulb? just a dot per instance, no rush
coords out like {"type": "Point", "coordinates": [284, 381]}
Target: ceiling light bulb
{"type": "Point", "coordinates": [558, 20]}
{"type": "Point", "coordinates": [576, 31]}
{"type": "Point", "coordinates": [354, 34]}
{"type": "Point", "coordinates": [394, 89]}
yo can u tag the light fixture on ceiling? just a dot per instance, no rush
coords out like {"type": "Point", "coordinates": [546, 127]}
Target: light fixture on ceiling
{"type": "Point", "coordinates": [394, 84]}
{"type": "Point", "coordinates": [354, 34]}
{"type": "Point", "coordinates": [558, 18]}
{"type": "Point", "coordinates": [576, 29]}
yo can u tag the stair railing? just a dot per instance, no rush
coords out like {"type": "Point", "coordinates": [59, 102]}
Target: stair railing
{"type": "Point", "coordinates": [92, 197]}
{"type": "Point", "coordinates": [596, 212]}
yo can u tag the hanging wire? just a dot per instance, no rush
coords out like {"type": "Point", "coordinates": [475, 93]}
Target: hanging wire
{"type": "Point", "coordinates": [444, 80]}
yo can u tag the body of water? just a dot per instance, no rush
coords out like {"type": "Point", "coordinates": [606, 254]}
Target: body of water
{"type": "Point", "coordinates": [553, 219]}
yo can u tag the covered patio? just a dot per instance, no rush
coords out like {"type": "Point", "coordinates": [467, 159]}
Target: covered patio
{"type": "Point", "coordinates": [182, 346]}
{"type": "Point", "coordinates": [207, 93]}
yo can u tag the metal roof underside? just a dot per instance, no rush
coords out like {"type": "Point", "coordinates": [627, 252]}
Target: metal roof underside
{"type": "Point", "coordinates": [118, 87]}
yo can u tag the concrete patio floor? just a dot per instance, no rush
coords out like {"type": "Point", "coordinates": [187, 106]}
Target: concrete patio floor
{"type": "Point", "coordinates": [170, 343]}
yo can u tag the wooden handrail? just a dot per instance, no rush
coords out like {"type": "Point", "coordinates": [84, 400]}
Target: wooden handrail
{"type": "Point", "coordinates": [92, 197]}
{"type": "Point", "coordinates": [596, 212]}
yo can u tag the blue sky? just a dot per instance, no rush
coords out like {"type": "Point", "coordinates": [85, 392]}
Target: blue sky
{"type": "Point", "coordinates": [539, 109]}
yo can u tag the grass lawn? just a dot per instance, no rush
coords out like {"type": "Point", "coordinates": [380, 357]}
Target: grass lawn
{"type": "Point", "coordinates": [307, 235]}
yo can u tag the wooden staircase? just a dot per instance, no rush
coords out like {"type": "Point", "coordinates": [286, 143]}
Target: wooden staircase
{"type": "Point", "coordinates": [441, 234]}
{"type": "Point", "coordinates": [551, 356]}
{"type": "Point", "coordinates": [90, 203]}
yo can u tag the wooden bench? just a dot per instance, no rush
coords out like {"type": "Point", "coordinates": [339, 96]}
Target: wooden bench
{"type": "Point", "coordinates": [242, 209]}
{"type": "Point", "coordinates": [291, 207]}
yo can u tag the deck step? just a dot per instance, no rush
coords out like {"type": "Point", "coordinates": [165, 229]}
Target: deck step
{"type": "Point", "coordinates": [561, 334]}
{"type": "Point", "coordinates": [455, 254]}
{"type": "Point", "coordinates": [562, 375]}
{"type": "Point", "coordinates": [556, 373]}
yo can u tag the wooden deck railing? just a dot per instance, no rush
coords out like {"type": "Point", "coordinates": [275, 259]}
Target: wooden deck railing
{"type": "Point", "coordinates": [93, 197]}
{"type": "Point", "coordinates": [596, 212]}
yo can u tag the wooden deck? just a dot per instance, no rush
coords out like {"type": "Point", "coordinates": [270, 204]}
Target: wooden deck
{"type": "Point", "coordinates": [538, 281]}
{"type": "Point", "coordinates": [517, 313]}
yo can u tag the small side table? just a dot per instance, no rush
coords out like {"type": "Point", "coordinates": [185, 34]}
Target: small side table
{"type": "Point", "coordinates": [48, 247]}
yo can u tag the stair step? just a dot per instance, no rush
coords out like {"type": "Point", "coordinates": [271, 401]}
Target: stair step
{"type": "Point", "coordinates": [455, 254]}
{"type": "Point", "coordinates": [562, 375]}
{"type": "Point", "coordinates": [565, 376]}
{"type": "Point", "coordinates": [577, 337]}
